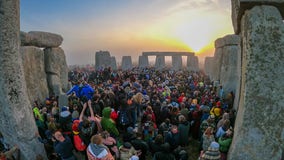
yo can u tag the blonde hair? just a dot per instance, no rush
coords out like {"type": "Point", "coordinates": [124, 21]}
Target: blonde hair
{"type": "Point", "coordinates": [137, 98]}
{"type": "Point", "coordinates": [208, 131]}
{"type": "Point", "coordinates": [97, 139]}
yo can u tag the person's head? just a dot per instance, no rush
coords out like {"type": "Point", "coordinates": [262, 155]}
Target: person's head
{"type": "Point", "coordinates": [105, 134]}
{"type": "Point", "coordinates": [174, 129]}
{"type": "Point", "coordinates": [59, 136]}
{"type": "Point", "coordinates": [97, 139]}
{"type": "Point", "coordinates": [181, 118]}
{"type": "Point", "coordinates": [229, 133]}
{"type": "Point", "coordinates": [211, 119]}
{"type": "Point", "coordinates": [159, 139]}
{"type": "Point", "coordinates": [225, 116]}
{"type": "Point", "coordinates": [86, 123]}
{"type": "Point", "coordinates": [208, 131]}
{"type": "Point", "coordinates": [226, 124]}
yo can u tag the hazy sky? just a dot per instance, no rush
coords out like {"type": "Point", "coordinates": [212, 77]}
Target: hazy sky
{"type": "Point", "coordinates": [129, 27]}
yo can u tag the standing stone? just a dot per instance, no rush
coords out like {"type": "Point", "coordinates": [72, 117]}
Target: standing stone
{"type": "Point", "coordinates": [102, 59]}
{"type": "Point", "coordinates": [34, 71]}
{"type": "Point", "coordinates": [40, 39]}
{"type": "Point", "coordinates": [229, 76]}
{"type": "Point", "coordinates": [63, 100]}
{"type": "Point", "coordinates": [17, 122]}
{"type": "Point", "coordinates": [160, 62]}
{"type": "Point", "coordinates": [240, 6]}
{"type": "Point", "coordinates": [126, 63]}
{"type": "Point", "coordinates": [218, 55]}
{"type": "Point", "coordinates": [143, 61]}
{"type": "Point", "coordinates": [208, 66]}
{"type": "Point", "coordinates": [259, 132]}
{"type": "Point", "coordinates": [113, 63]}
{"type": "Point", "coordinates": [56, 69]}
{"type": "Point", "coordinates": [192, 63]}
{"type": "Point", "coordinates": [177, 62]}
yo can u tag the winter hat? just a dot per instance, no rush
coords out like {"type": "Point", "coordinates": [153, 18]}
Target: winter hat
{"type": "Point", "coordinates": [134, 157]}
{"type": "Point", "coordinates": [214, 145]}
{"type": "Point", "coordinates": [211, 116]}
{"type": "Point", "coordinates": [127, 145]}
{"type": "Point", "coordinates": [75, 127]}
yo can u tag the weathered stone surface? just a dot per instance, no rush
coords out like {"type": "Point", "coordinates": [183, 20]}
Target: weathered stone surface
{"type": "Point", "coordinates": [34, 71]}
{"type": "Point", "coordinates": [229, 75]}
{"type": "Point", "coordinates": [102, 59]}
{"type": "Point", "coordinates": [143, 61]}
{"type": "Point", "coordinates": [259, 132]}
{"type": "Point", "coordinates": [219, 43]}
{"type": "Point", "coordinates": [192, 63]}
{"type": "Point", "coordinates": [113, 63]}
{"type": "Point", "coordinates": [40, 39]}
{"type": "Point", "coordinates": [208, 66]}
{"type": "Point", "coordinates": [160, 62]}
{"type": "Point", "coordinates": [126, 63]}
{"type": "Point", "coordinates": [177, 63]}
{"type": "Point", "coordinates": [55, 65]}
{"type": "Point", "coordinates": [17, 122]}
{"type": "Point", "coordinates": [240, 6]}
{"type": "Point", "coordinates": [62, 100]}
{"type": "Point", "coordinates": [54, 84]}
{"type": "Point", "coordinates": [217, 66]}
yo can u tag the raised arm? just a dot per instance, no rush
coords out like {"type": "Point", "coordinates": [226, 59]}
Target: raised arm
{"type": "Point", "coordinates": [82, 112]}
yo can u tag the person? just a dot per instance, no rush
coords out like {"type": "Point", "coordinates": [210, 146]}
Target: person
{"type": "Point", "coordinates": [222, 120]}
{"type": "Point", "coordinates": [210, 122]}
{"type": "Point", "coordinates": [141, 145]}
{"type": "Point", "coordinates": [212, 153]}
{"type": "Point", "coordinates": [86, 93]}
{"type": "Point", "coordinates": [225, 143]}
{"type": "Point", "coordinates": [63, 146]}
{"type": "Point", "coordinates": [156, 145]}
{"type": "Point", "coordinates": [127, 151]}
{"type": "Point", "coordinates": [173, 137]}
{"type": "Point", "coordinates": [8, 155]}
{"type": "Point", "coordinates": [208, 137]}
{"type": "Point", "coordinates": [222, 130]}
{"type": "Point", "coordinates": [97, 150]}
{"type": "Point", "coordinates": [110, 142]}
{"type": "Point", "coordinates": [183, 128]}
{"type": "Point", "coordinates": [165, 154]}
{"type": "Point", "coordinates": [87, 127]}
{"type": "Point", "coordinates": [108, 124]}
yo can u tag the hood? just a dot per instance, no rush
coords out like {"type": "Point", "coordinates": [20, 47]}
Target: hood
{"type": "Point", "coordinates": [96, 149]}
{"type": "Point", "coordinates": [106, 112]}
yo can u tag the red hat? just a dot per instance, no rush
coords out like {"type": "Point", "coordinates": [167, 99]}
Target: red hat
{"type": "Point", "coordinates": [218, 104]}
{"type": "Point", "coordinates": [75, 127]}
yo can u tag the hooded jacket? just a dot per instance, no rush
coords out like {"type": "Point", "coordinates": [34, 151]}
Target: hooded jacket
{"type": "Point", "coordinates": [107, 123]}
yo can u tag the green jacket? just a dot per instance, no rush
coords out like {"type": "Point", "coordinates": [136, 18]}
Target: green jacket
{"type": "Point", "coordinates": [225, 144]}
{"type": "Point", "coordinates": [107, 123]}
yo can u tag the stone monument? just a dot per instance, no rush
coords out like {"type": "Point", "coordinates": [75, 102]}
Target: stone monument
{"type": "Point", "coordinates": [17, 122]}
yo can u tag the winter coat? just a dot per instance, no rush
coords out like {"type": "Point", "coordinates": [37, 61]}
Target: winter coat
{"type": "Point", "coordinates": [183, 129]}
{"type": "Point", "coordinates": [107, 123]}
{"type": "Point", "coordinates": [224, 143]}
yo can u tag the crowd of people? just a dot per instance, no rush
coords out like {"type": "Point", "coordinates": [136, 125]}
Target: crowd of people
{"type": "Point", "coordinates": [137, 114]}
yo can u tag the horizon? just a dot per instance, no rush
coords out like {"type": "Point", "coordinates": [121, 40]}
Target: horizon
{"type": "Point", "coordinates": [129, 27]}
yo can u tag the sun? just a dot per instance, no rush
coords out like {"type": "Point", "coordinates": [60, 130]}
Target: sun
{"type": "Point", "coordinates": [195, 33]}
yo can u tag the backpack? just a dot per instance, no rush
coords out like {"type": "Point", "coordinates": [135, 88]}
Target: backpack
{"type": "Point", "coordinates": [78, 143]}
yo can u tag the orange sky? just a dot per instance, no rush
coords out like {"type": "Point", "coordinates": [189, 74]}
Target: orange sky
{"type": "Point", "coordinates": [130, 27]}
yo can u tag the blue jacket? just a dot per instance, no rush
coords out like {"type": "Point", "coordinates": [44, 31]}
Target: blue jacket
{"type": "Point", "coordinates": [75, 89]}
{"type": "Point", "coordinates": [87, 91]}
